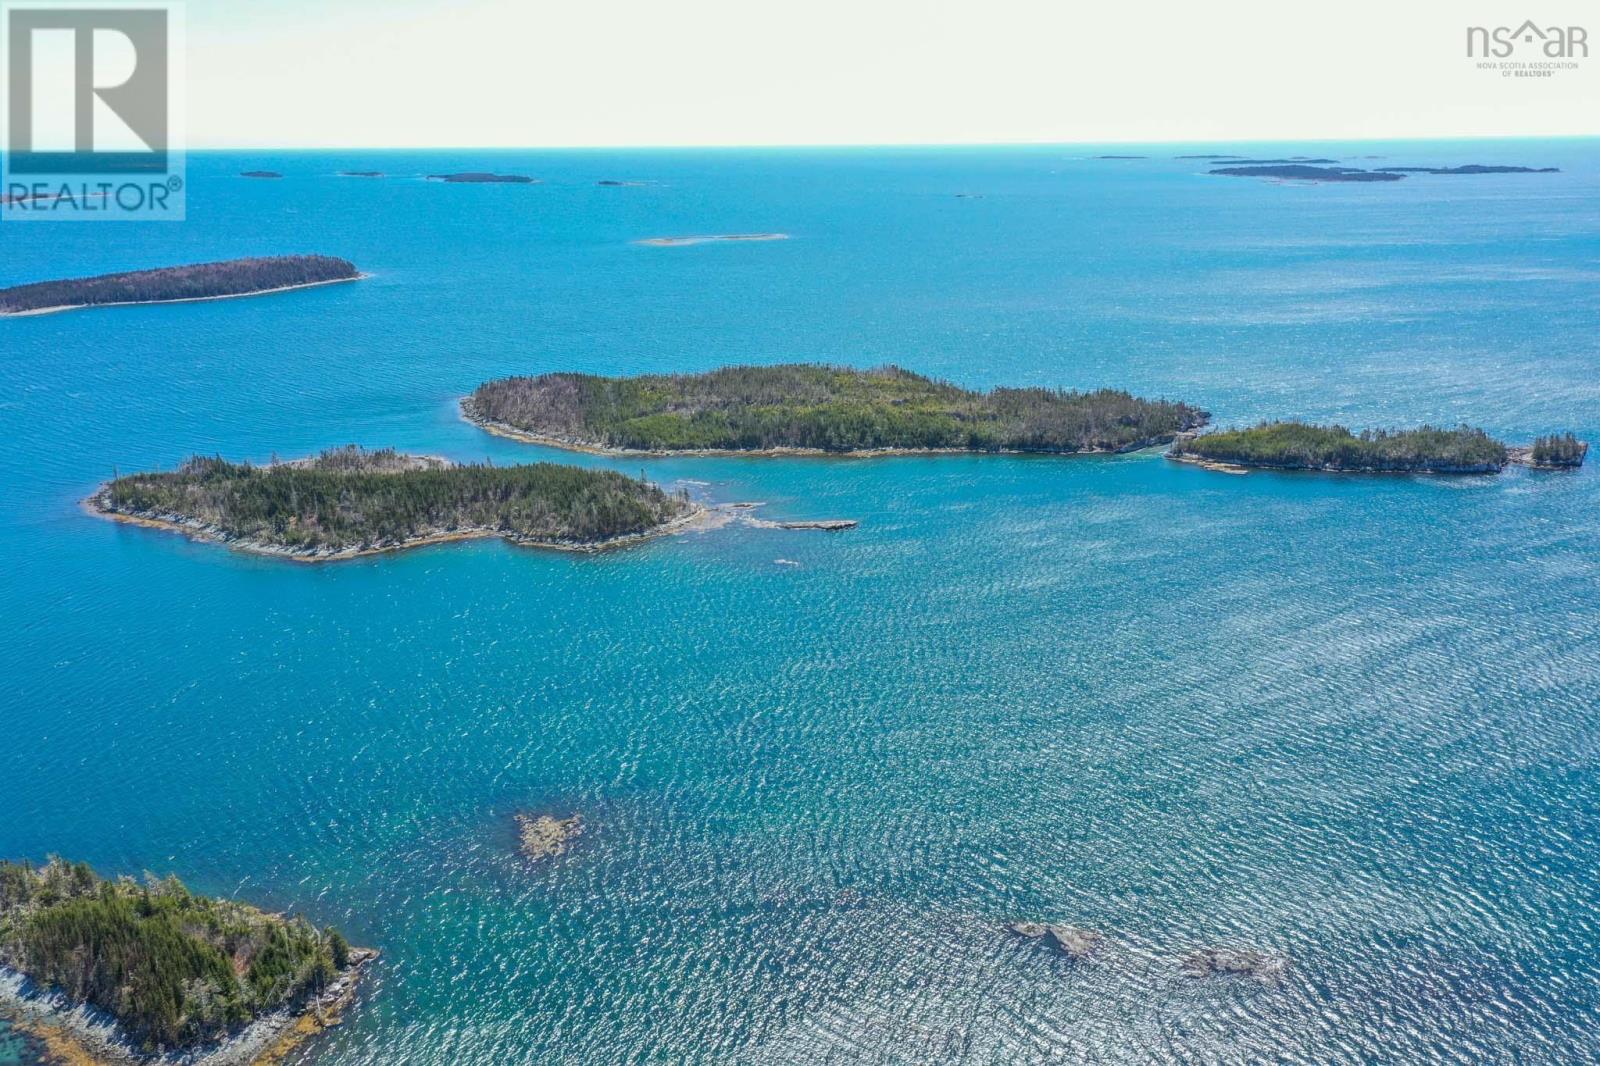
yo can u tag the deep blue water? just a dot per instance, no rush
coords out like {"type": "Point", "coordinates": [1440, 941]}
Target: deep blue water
{"type": "Point", "coordinates": [1353, 720]}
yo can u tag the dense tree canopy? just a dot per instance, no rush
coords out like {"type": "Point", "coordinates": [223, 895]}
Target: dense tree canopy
{"type": "Point", "coordinates": [174, 968]}
{"type": "Point", "coordinates": [1559, 450]}
{"type": "Point", "coordinates": [348, 498]}
{"type": "Point", "coordinates": [235, 277]}
{"type": "Point", "coordinates": [1296, 445]}
{"type": "Point", "coordinates": [826, 408]}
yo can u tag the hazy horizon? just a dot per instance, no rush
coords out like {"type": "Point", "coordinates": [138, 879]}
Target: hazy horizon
{"type": "Point", "coordinates": [714, 73]}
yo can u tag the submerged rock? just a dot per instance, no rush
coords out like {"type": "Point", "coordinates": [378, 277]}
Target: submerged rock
{"type": "Point", "coordinates": [1234, 962]}
{"type": "Point", "coordinates": [545, 837]}
{"type": "Point", "coordinates": [1069, 940]}
{"type": "Point", "coordinates": [827, 525]}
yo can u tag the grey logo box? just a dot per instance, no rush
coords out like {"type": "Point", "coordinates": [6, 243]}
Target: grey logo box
{"type": "Point", "coordinates": [141, 102]}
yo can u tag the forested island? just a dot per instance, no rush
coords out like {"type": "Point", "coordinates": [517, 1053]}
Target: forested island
{"type": "Point", "coordinates": [478, 177]}
{"type": "Point", "coordinates": [1306, 172]}
{"type": "Point", "coordinates": [1428, 450]}
{"type": "Point", "coordinates": [173, 971]}
{"type": "Point", "coordinates": [818, 409]}
{"type": "Point", "coordinates": [349, 501]}
{"type": "Point", "coordinates": [1556, 452]}
{"type": "Point", "coordinates": [1471, 168]}
{"type": "Point", "coordinates": [200, 281]}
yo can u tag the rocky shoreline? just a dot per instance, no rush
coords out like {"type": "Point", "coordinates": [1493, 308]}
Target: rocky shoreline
{"type": "Point", "coordinates": [1236, 466]}
{"type": "Point", "coordinates": [182, 300]}
{"type": "Point", "coordinates": [75, 1034]}
{"type": "Point", "coordinates": [98, 505]}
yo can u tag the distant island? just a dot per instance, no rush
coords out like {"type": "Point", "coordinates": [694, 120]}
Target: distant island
{"type": "Point", "coordinates": [200, 281]}
{"type": "Point", "coordinates": [348, 502]}
{"type": "Point", "coordinates": [260, 174]}
{"type": "Point", "coordinates": [1298, 160]}
{"type": "Point", "coordinates": [809, 408]}
{"type": "Point", "coordinates": [669, 242]}
{"type": "Point", "coordinates": [478, 177]}
{"type": "Point", "coordinates": [623, 184]}
{"type": "Point", "coordinates": [1470, 168]}
{"type": "Point", "coordinates": [1305, 172]}
{"type": "Point", "coordinates": [1428, 450]}
{"type": "Point", "coordinates": [361, 173]}
{"type": "Point", "coordinates": [170, 971]}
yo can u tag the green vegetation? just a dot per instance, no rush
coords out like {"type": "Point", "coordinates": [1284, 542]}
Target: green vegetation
{"type": "Point", "coordinates": [348, 499]}
{"type": "Point", "coordinates": [235, 277]}
{"type": "Point", "coordinates": [824, 408]}
{"type": "Point", "coordinates": [1563, 450]}
{"type": "Point", "coordinates": [174, 968]}
{"type": "Point", "coordinates": [1297, 446]}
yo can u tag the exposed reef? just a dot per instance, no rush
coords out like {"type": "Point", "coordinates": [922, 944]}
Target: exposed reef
{"type": "Point", "coordinates": [1235, 962]}
{"type": "Point", "coordinates": [1070, 940]}
{"type": "Point", "coordinates": [543, 836]}
{"type": "Point", "coordinates": [713, 238]}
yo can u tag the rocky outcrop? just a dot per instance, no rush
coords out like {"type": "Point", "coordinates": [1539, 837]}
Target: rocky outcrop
{"type": "Point", "coordinates": [1070, 940]}
{"type": "Point", "coordinates": [1235, 962]}
{"type": "Point", "coordinates": [827, 525]}
{"type": "Point", "coordinates": [544, 836]}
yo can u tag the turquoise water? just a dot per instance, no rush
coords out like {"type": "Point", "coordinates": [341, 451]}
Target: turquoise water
{"type": "Point", "coordinates": [1354, 720]}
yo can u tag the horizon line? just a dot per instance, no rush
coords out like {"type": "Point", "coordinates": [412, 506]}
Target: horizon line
{"type": "Point", "coordinates": [879, 144]}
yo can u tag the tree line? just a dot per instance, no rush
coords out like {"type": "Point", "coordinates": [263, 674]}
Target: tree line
{"type": "Point", "coordinates": [822, 407]}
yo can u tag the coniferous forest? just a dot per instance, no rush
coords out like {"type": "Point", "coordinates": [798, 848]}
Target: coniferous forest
{"type": "Point", "coordinates": [350, 499]}
{"type": "Point", "coordinates": [174, 968]}
{"type": "Point", "coordinates": [1296, 445]}
{"type": "Point", "coordinates": [823, 408]}
{"type": "Point", "coordinates": [233, 277]}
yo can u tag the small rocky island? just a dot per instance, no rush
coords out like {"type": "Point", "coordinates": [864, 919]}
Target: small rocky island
{"type": "Point", "coordinates": [260, 174]}
{"type": "Point", "coordinates": [348, 502]}
{"type": "Point", "coordinates": [1428, 450]}
{"type": "Point", "coordinates": [480, 177]}
{"type": "Point", "coordinates": [133, 972]}
{"type": "Point", "coordinates": [804, 408]}
{"type": "Point", "coordinates": [1261, 966]}
{"type": "Point", "coordinates": [711, 238]}
{"type": "Point", "coordinates": [361, 173]}
{"type": "Point", "coordinates": [1556, 452]}
{"type": "Point", "coordinates": [1069, 940]}
{"type": "Point", "coordinates": [545, 836]}
{"type": "Point", "coordinates": [200, 281]}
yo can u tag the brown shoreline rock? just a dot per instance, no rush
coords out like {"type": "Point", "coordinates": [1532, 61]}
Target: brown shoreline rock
{"type": "Point", "coordinates": [543, 836]}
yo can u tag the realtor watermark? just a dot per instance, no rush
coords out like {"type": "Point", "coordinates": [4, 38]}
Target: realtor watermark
{"type": "Point", "coordinates": [1529, 50]}
{"type": "Point", "coordinates": [93, 111]}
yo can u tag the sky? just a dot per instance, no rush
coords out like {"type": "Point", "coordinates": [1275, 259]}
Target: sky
{"type": "Point", "coordinates": [516, 73]}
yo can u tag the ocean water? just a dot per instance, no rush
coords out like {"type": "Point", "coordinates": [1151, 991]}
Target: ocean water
{"type": "Point", "coordinates": [1354, 720]}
